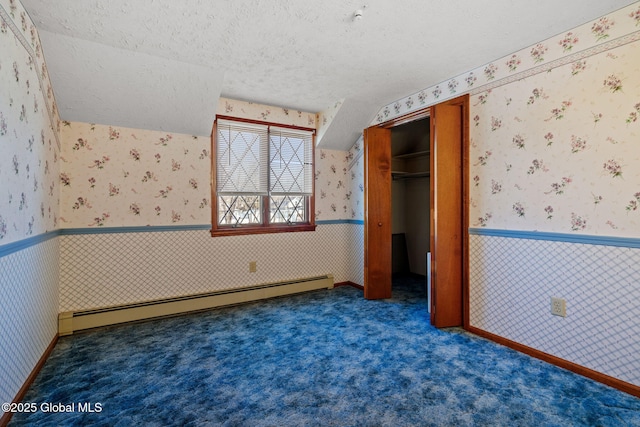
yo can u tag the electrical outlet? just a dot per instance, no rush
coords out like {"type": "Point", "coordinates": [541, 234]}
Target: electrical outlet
{"type": "Point", "coordinates": [558, 307]}
{"type": "Point", "coordinates": [252, 266]}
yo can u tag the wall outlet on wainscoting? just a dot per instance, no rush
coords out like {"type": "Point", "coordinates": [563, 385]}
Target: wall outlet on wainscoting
{"type": "Point", "coordinates": [558, 307]}
{"type": "Point", "coordinates": [252, 266]}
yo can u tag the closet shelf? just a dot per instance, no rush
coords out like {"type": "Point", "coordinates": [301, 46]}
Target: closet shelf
{"type": "Point", "coordinates": [411, 155]}
{"type": "Point", "coordinates": [408, 175]}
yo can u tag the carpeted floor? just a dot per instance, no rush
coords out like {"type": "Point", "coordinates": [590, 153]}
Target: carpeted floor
{"type": "Point", "coordinates": [325, 358]}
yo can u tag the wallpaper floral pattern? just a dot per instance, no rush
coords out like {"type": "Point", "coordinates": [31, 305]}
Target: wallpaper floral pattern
{"type": "Point", "coordinates": [325, 118]}
{"type": "Point", "coordinates": [558, 151]}
{"type": "Point", "coordinates": [554, 130]}
{"type": "Point", "coordinates": [121, 177]}
{"type": "Point", "coordinates": [28, 131]}
{"type": "Point", "coordinates": [29, 192]}
{"type": "Point", "coordinates": [340, 184]}
{"type": "Point", "coordinates": [266, 113]}
{"type": "Point", "coordinates": [333, 193]}
{"type": "Point", "coordinates": [113, 176]}
{"type": "Point", "coordinates": [545, 55]}
{"type": "Point", "coordinates": [355, 158]}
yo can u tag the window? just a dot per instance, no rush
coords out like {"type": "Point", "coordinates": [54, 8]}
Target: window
{"type": "Point", "coordinates": [263, 179]}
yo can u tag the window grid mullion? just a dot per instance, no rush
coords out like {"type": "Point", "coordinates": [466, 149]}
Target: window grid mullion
{"type": "Point", "coordinates": [279, 205]}
{"type": "Point", "coordinates": [246, 213]}
{"type": "Point", "coordinates": [300, 204]}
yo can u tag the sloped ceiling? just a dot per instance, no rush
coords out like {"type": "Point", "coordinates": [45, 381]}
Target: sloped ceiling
{"type": "Point", "coordinates": [162, 64]}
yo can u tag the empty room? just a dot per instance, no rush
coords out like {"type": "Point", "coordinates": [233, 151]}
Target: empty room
{"type": "Point", "coordinates": [272, 213]}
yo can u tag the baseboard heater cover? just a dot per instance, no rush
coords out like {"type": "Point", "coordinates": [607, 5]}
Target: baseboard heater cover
{"type": "Point", "coordinates": [70, 322]}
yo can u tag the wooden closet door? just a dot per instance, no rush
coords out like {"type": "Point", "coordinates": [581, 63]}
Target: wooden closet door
{"type": "Point", "coordinates": [446, 215]}
{"type": "Point", "coordinates": [377, 213]}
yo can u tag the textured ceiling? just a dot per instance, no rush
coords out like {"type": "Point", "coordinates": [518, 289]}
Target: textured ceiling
{"type": "Point", "coordinates": [162, 64]}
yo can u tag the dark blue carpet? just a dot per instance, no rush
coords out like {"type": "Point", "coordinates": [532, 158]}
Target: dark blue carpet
{"type": "Point", "coordinates": [326, 358]}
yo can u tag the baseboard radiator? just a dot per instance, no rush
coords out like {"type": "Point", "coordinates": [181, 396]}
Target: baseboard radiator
{"type": "Point", "coordinates": [70, 322]}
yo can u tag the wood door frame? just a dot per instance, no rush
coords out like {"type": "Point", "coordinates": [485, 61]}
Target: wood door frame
{"type": "Point", "coordinates": [463, 102]}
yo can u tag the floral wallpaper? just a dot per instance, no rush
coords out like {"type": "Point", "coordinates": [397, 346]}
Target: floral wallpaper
{"type": "Point", "coordinates": [29, 192]}
{"type": "Point", "coordinates": [559, 151]}
{"type": "Point", "coordinates": [333, 179]}
{"type": "Point", "coordinates": [326, 117]}
{"type": "Point", "coordinates": [556, 150]}
{"type": "Point", "coordinates": [621, 25]}
{"type": "Point", "coordinates": [554, 130]}
{"type": "Point", "coordinates": [28, 131]}
{"type": "Point", "coordinates": [355, 157]}
{"type": "Point", "coordinates": [121, 177]}
{"type": "Point", "coordinates": [340, 184]}
{"type": "Point", "coordinates": [113, 177]}
{"type": "Point", "coordinates": [266, 113]}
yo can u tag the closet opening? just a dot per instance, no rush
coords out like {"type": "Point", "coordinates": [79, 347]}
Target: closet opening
{"type": "Point", "coordinates": [410, 199]}
{"type": "Point", "coordinates": [446, 216]}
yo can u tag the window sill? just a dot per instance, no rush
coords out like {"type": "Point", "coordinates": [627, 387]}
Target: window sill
{"type": "Point", "coordinates": [241, 231]}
